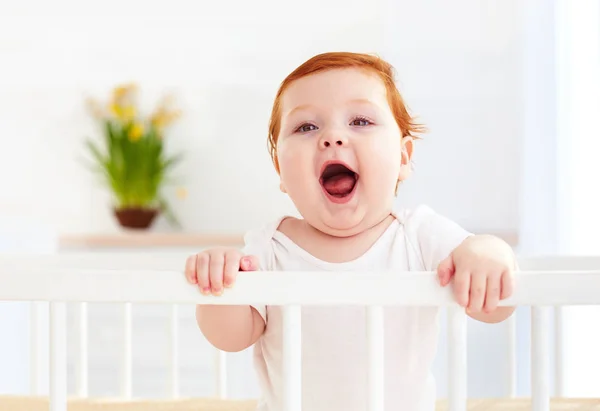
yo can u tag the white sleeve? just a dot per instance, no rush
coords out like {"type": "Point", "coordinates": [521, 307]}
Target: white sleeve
{"type": "Point", "coordinates": [434, 235]}
{"type": "Point", "coordinates": [257, 245]}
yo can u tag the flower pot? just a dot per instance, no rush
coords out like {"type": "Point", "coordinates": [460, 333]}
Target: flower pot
{"type": "Point", "coordinates": [136, 218]}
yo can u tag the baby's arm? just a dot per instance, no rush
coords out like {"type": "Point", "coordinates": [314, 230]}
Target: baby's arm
{"type": "Point", "coordinates": [229, 328]}
{"type": "Point", "coordinates": [482, 268]}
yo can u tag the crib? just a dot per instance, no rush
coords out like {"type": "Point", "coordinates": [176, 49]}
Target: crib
{"type": "Point", "coordinates": [543, 283]}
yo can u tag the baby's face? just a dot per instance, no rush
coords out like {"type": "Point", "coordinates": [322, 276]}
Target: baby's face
{"type": "Point", "coordinates": [339, 150]}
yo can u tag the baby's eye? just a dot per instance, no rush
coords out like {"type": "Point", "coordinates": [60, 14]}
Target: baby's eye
{"type": "Point", "coordinates": [304, 128]}
{"type": "Point", "coordinates": [360, 122]}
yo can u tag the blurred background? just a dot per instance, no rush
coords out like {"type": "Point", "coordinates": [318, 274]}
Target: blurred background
{"type": "Point", "coordinates": [507, 88]}
{"type": "Point", "coordinates": [459, 66]}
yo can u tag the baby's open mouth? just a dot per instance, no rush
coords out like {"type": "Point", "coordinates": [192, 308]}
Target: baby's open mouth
{"type": "Point", "coordinates": [338, 180]}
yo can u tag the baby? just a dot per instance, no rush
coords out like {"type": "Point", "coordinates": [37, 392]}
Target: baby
{"type": "Point", "coordinates": [341, 140]}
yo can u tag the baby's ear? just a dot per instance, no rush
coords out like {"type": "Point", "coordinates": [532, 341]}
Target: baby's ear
{"type": "Point", "coordinates": [406, 158]}
{"type": "Point", "coordinates": [407, 150]}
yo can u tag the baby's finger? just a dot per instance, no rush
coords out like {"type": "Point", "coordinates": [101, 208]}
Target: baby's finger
{"type": "Point", "coordinates": [462, 283]}
{"type": "Point", "coordinates": [190, 270]}
{"type": "Point", "coordinates": [232, 266]}
{"type": "Point", "coordinates": [492, 295]}
{"type": "Point", "coordinates": [202, 271]}
{"type": "Point", "coordinates": [249, 263]}
{"type": "Point", "coordinates": [507, 285]}
{"type": "Point", "coordinates": [477, 292]}
{"type": "Point", "coordinates": [216, 266]}
{"type": "Point", "coordinates": [445, 270]}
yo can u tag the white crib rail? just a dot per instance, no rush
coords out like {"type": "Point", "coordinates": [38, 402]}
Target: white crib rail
{"type": "Point", "coordinates": [58, 356]}
{"type": "Point", "coordinates": [127, 362]}
{"type": "Point", "coordinates": [375, 358]}
{"type": "Point", "coordinates": [559, 263]}
{"type": "Point", "coordinates": [511, 356]}
{"type": "Point", "coordinates": [543, 282]}
{"type": "Point", "coordinates": [34, 347]}
{"type": "Point", "coordinates": [540, 382]}
{"type": "Point", "coordinates": [292, 352]}
{"type": "Point", "coordinates": [457, 359]}
{"type": "Point", "coordinates": [174, 350]}
{"type": "Point", "coordinates": [82, 363]}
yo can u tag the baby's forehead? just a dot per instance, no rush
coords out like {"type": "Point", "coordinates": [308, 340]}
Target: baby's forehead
{"type": "Point", "coordinates": [335, 87]}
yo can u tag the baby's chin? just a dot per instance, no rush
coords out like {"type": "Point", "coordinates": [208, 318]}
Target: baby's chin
{"type": "Point", "coordinates": [343, 224]}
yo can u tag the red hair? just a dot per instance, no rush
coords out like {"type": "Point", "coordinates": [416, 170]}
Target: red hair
{"type": "Point", "coordinates": [341, 60]}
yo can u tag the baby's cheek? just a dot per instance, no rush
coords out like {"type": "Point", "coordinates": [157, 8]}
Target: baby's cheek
{"type": "Point", "coordinates": [384, 160]}
{"type": "Point", "coordinates": [295, 167]}
{"type": "Point", "coordinates": [288, 150]}
{"type": "Point", "coordinates": [289, 165]}
{"type": "Point", "coordinates": [381, 169]}
{"type": "Point", "coordinates": [384, 145]}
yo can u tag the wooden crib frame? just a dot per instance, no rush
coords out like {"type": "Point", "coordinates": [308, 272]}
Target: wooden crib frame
{"type": "Point", "coordinates": [542, 283]}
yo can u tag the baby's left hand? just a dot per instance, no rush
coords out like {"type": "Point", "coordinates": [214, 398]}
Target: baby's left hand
{"type": "Point", "coordinates": [482, 267]}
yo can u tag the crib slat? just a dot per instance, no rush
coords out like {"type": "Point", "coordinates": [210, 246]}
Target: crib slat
{"type": "Point", "coordinates": [126, 370]}
{"type": "Point", "coordinates": [511, 345]}
{"type": "Point", "coordinates": [58, 356]}
{"type": "Point", "coordinates": [559, 352]}
{"type": "Point", "coordinates": [174, 343]}
{"type": "Point", "coordinates": [221, 367]}
{"type": "Point", "coordinates": [540, 385]}
{"type": "Point", "coordinates": [375, 358]}
{"type": "Point", "coordinates": [292, 358]}
{"type": "Point", "coordinates": [457, 359]}
{"type": "Point", "coordinates": [34, 341]}
{"type": "Point", "coordinates": [82, 364]}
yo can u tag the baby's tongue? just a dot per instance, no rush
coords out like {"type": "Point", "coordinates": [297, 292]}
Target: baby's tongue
{"type": "Point", "coordinates": [339, 184]}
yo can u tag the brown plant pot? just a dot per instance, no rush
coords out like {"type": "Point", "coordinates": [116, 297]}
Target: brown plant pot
{"type": "Point", "coordinates": [136, 218]}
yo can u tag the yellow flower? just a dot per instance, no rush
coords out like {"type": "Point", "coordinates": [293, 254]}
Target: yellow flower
{"type": "Point", "coordinates": [122, 90]}
{"type": "Point", "coordinates": [123, 113]}
{"type": "Point", "coordinates": [136, 132]}
{"type": "Point", "coordinates": [163, 118]}
{"type": "Point", "coordinates": [182, 193]}
{"type": "Point", "coordinates": [128, 112]}
{"type": "Point", "coordinates": [164, 115]}
{"type": "Point", "coordinates": [115, 109]}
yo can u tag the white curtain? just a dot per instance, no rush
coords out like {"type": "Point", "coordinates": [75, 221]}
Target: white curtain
{"type": "Point", "coordinates": [560, 196]}
{"type": "Point", "coordinates": [578, 80]}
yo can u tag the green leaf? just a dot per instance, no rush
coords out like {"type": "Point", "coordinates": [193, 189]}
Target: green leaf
{"type": "Point", "coordinates": [168, 213]}
{"type": "Point", "coordinates": [134, 171]}
{"type": "Point", "coordinates": [170, 162]}
{"type": "Point", "coordinates": [96, 152]}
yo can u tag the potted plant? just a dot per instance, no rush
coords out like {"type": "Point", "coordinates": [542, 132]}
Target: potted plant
{"type": "Point", "coordinates": [133, 163]}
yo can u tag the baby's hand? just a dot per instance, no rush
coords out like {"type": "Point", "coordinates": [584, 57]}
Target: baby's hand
{"type": "Point", "coordinates": [215, 269]}
{"type": "Point", "coordinates": [482, 267]}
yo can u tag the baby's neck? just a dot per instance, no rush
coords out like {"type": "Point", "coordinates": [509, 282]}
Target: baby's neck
{"type": "Point", "coordinates": [331, 248]}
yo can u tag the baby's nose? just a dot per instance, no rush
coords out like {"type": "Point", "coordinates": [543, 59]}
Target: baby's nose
{"type": "Point", "coordinates": [328, 141]}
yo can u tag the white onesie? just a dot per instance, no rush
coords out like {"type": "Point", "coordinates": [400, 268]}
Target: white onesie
{"type": "Point", "coordinates": [334, 338]}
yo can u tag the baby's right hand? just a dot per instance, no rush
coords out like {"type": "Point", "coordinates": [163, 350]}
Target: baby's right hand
{"type": "Point", "coordinates": [214, 269]}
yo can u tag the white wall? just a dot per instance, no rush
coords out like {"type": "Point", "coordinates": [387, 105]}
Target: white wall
{"type": "Point", "coordinates": [458, 65]}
